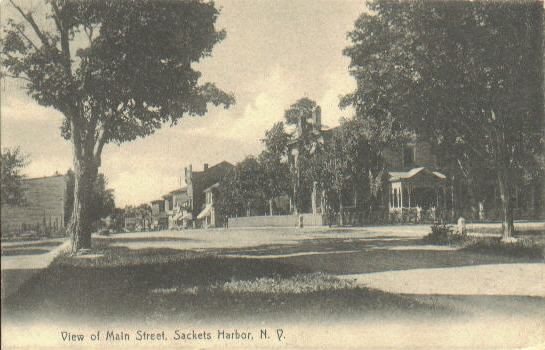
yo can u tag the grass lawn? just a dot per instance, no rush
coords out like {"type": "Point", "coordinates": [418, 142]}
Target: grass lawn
{"type": "Point", "coordinates": [23, 251]}
{"type": "Point", "coordinates": [172, 286]}
{"type": "Point", "coordinates": [181, 285]}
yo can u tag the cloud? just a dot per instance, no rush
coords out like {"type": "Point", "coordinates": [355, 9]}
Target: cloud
{"type": "Point", "coordinates": [141, 186]}
{"type": "Point", "coordinates": [340, 83]}
{"type": "Point", "coordinates": [274, 95]}
{"type": "Point", "coordinates": [23, 109]}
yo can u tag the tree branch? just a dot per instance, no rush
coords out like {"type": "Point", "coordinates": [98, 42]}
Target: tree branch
{"type": "Point", "coordinates": [27, 38]}
{"type": "Point", "coordinates": [28, 17]}
{"type": "Point", "coordinates": [17, 77]}
{"type": "Point", "coordinates": [99, 145]}
{"type": "Point", "coordinates": [65, 45]}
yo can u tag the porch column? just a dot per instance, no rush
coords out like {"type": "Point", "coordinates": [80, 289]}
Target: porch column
{"type": "Point", "coordinates": [314, 198]}
{"type": "Point", "coordinates": [453, 210]}
{"type": "Point", "coordinates": [401, 196]}
{"type": "Point", "coordinates": [409, 190]}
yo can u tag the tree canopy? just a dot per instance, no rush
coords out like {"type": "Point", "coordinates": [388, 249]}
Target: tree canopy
{"type": "Point", "coordinates": [13, 161]}
{"type": "Point", "coordinates": [117, 70]}
{"type": "Point", "coordinates": [121, 68]}
{"type": "Point", "coordinates": [465, 76]}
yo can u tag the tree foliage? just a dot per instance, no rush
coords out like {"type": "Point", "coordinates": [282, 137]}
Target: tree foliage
{"type": "Point", "coordinates": [117, 70]}
{"type": "Point", "coordinates": [241, 191]}
{"type": "Point", "coordinates": [349, 164]}
{"type": "Point", "coordinates": [466, 76]}
{"type": "Point", "coordinates": [13, 161]}
{"type": "Point", "coordinates": [102, 200]}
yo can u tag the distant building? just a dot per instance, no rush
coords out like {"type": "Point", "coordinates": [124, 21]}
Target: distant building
{"type": "Point", "coordinates": [158, 214]}
{"type": "Point", "coordinates": [190, 206]}
{"type": "Point", "coordinates": [417, 190]}
{"type": "Point", "coordinates": [208, 215]}
{"type": "Point", "coordinates": [41, 213]}
{"type": "Point", "coordinates": [179, 215]}
{"type": "Point", "coordinates": [198, 181]}
{"type": "Point", "coordinates": [425, 188]}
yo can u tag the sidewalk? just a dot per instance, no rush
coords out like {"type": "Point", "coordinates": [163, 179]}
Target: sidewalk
{"type": "Point", "coordinates": [16, 270]}
{"type": "Point", "coordinates": [498, 279]}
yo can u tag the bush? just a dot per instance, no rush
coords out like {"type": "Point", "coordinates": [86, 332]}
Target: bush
{"type": "Point", "coordinates": [440, 234]}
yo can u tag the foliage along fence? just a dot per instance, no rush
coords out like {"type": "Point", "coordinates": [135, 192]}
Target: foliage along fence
{"type": "Point", "coordinates": [32, 223]}
{"type": "Point", "coordinates": [276, 221]}
{"type": "Point", "coordinates": [41, 214]}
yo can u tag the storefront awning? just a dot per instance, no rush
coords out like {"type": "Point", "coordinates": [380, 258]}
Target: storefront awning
{"type": "Point", "coordinates": [205, 212]}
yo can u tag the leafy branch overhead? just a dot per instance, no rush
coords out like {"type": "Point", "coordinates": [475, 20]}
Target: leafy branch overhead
{"type": "Point", "coordinates": [117, 70]}
{"type": "Point", "coordinates": [121, 68]}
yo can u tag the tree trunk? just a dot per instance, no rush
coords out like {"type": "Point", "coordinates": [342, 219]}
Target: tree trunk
{"type": "Point", "coordinates": [341, 221]}
{"type": "Point", "coordinates": [323, 203]}
{"type": "Point", "coordinates": [270, 207]}
{"type": "Point", "coordinates": [508, 227]}
{"type": "Point", "coordinates": [85, 173]}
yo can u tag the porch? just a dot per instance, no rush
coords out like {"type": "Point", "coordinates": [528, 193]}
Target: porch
{"type": "Point", "coordinates": [419, 195]}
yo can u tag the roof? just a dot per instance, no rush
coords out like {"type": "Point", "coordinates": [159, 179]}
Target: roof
{"type": "Point", "coordinates": [210, 176]}
{"type": "Point", "coordinates": [212, 187]}
{"type": "Point", "coordinates": [179, 190]}
{"type": "Point", "coordinates": [205, 211]}
{"type": "Point", "coordinates": [406, 175]}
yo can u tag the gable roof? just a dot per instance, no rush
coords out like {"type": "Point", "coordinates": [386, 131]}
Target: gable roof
{"type": "Point", "coordinates": [407, 175]}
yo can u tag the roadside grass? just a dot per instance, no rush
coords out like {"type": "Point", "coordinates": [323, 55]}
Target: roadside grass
{"type": "Point", "coordinates": [23, 251]}
{"type": "Point", "coordinates": [117, 283]}
{"type": "Point", "coordinates": [529, 244]}
{"type": "Point", "coordinates": [33, 244]}
{"type": "Point", "coordinates": [169, 285]}
{"type": "Point", "coordinates": [522, 247]}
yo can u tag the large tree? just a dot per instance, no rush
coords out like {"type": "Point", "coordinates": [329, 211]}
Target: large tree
{"type": "Point", "coordinates": [348, 166]}
{"type": "Point", "coordinates": [274, 164]}
{"type": "Point", "coordinates": [304, 141]}
{"type": "Point", "coordinates": [13, 161]}
{"type": "Point", "coordinates": [467, 76]}
{"type": "Point", "coordinates": [241, 191]}
{"type": "Point", "coordinates": [117, 70]}
{"type": "Point", "coordinates": [102, 202]}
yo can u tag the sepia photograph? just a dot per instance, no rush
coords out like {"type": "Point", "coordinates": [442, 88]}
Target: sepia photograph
{"type": "Point", "coordinates": [304, 174]}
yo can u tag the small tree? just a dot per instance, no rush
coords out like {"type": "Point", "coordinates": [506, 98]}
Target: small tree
{"type": "Point", "coordinates": [13, 161]}
{"type": "Point", "coordinates": [117, 70]}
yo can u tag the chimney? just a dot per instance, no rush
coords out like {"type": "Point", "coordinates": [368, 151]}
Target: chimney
{"type": "Point", "coordinates": [188, 172]}
{"type": "Point", "coordinates": [205, 166]}
{"type": "Point", "coordinates": [317, 118]}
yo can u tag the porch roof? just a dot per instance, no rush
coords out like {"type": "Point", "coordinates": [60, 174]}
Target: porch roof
{"type": "Point", "coordinates": [205, 212]}
{"type": "Point", "coordinates": [396, 176]}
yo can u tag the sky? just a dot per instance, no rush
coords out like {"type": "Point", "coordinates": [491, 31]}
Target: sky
{"type": "Point", "coordinates": [275, 52]}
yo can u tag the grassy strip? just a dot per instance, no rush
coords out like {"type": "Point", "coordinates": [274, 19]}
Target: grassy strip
{"type": "Point", "coordinates": [23, 251]}
{"type": "Point", "coordinates": [171, 285]}
{"type": "Point", "coordinates": [522, 247]}
{"type": "Point", "coordinates": [33, 245]}
{"type": "Point", "coordinates": [531, 246]}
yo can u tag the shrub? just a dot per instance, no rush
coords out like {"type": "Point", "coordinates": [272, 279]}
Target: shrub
{"type": "Point", "coordinates": [440, 234]}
